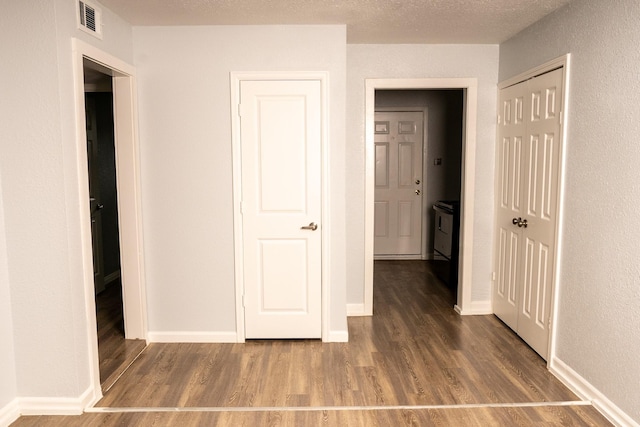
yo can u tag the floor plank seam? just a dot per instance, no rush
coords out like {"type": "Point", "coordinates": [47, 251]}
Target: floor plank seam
{"type": "Point", "coordinates": [124, 371]}
{"type": "Point", "coordinates": [334, 408]}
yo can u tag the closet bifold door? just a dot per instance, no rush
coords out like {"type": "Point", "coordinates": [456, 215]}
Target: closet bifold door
{"type": "Point", "coordinates": [527, 195]}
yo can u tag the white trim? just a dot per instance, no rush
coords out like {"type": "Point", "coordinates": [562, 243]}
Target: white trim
{"type": "Point", "coordinates": [555, 295]}
{"type": "Point", "coordinates": [235, 79]}
{"type": "Point", "coordinates": [57, 405]}
{"type": "Point", "coordinates": [10, 412]}
{"type": "Point", "coordinates": [156, 409]}
{"type": "Point", "coordinates": [355, 310]}
{"type": "Point", "coordinates": [337, 336]}
{"type": "Point", "coordinates": [585, 390]}
{"type": "Point", "coordinates": [191, 337]}
{"type": "Point", "coordinates": [476, 308]}
{"type": "Point", "coordinates": [129, 212]}
{"type": "Point", "coordinates": [470, 85]}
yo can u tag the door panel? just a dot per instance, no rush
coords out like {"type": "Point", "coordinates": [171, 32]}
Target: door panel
{"type": "Point", "coordinates": [281, 193]}
{"type": "Point", "coordinates": [511, 132]}
{"type": "Point", "coordinates": [398, 166]}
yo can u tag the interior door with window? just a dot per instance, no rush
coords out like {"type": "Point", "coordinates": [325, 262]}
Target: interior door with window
{"type": "Point", "coordinates": [281, 155]}
{"type": "Point", "coordinates": [398, 183]}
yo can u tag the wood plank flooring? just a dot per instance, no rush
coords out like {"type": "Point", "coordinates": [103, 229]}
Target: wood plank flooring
{"type": "Point", "coordinates": [115, 352]}
{"type": "Point", "coordinates": [414, 363]}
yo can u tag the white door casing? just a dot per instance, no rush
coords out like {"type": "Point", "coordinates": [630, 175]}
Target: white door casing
{"type": "Point", "coordinates": [129, 203]}
{"type": "Point", "coordinates": [281, 126]}
{"type": "Point", "coordinates": [464, 304]}
{"type": "Point", "coordinates": [398, 183]}
{"type": "Point", "coordinates": [529, 150]}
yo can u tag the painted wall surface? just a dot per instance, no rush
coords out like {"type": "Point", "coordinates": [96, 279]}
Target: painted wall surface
{"type": "Point", "coordinates": [598, 324]}
{"type": "Point", "coordinates": [421, 61]}
{"type": "Point", "coordinates": [443, 140]}
{"type": "Point", "coordinates": [38, 167]}
{"type": "Point", "coordinates": [185, 132]}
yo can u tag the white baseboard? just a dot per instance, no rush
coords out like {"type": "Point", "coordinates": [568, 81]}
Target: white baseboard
{"type": "Point", "coordinates": [356, 310]}
{"type": "Point", "coordinates": [192, 337]}
{"type": "Point", "coordinates": [476, 308]}
{"type": "Point", "coordinates": [338, 336]}
{"type": "Point", "coordinates": [9, 413]}
{"type": "Point", "coordinates": [47, 406]}
{"type": "Point", "coordinates": [587, 391]}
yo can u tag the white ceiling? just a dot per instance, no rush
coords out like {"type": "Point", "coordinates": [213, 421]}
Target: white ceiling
{"type": "Point", "coordinates": [368, 21]}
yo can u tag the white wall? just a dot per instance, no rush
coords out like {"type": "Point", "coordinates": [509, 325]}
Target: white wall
{"type": "Point", "coordinates": [185, 132]}
{"type": "Point", "coordinates": [598, 324]}
{"type": "Point", "coordinates": [38, 167]}
{"type": "Point", "coordinates": [421, 61]}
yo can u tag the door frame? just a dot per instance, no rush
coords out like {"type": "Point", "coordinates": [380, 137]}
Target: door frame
{"type": "Point", "coordinates": [563, 62]}
{"type": "Point", "coordinates": [236, 78]}
{"type": "Point", "coordinates": [424, 208]}
{"type": "Point", "coordinates": [129, 203]}
{"type": "Point", "coordinates": [470, 87]}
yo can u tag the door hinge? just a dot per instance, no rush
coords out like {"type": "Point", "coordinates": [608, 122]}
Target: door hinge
{"type": "Point", "coordinates": [499, 118]}
{"type": "Point", "coordinates": [243, 301]}
{"type": "Point", "coordinates": [240, 110]}
{"type": "Point", "coordinates": [493, 275]}
{"type": "Point", "coordinates": [241, 208]}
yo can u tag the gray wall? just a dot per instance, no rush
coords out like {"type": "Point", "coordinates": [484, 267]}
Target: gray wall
{"type": "Point", "coordinates": [598, 323]}
{"type": "Point", "coordinates": [186, 162]}
{"type": "Point", "coordinates": [38, 167]}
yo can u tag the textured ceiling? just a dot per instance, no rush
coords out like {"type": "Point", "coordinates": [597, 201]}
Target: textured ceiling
{"type": "Point", "coordinates": [368, 21]}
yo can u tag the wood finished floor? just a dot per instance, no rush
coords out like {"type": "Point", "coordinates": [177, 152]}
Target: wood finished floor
{"type": "Point", "coordinates": [115, 352]}
{"type": "Point", "coordinates": [415, 351]}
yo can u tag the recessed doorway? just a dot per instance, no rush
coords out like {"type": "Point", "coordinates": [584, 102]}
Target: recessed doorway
{"type": "Point", "coordinates": [469, 88]}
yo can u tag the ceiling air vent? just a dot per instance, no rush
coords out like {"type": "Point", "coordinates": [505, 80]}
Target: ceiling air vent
{"type": "Point", "coordinates": [90, 18]}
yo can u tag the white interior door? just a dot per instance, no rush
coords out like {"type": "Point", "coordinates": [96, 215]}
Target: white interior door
{"type": "Point", "coordinates": [95, 206]}
{"type": "Point", "coordinates": [541, 173]}
{"type": "Point", "coordinates": [281, 208]}
{"type": "Point", "coordinates": [511, 133]}
{"type": "Point", "coordinates": [398, 183]}
{"type": "Point", "coordinates": [528, 186]}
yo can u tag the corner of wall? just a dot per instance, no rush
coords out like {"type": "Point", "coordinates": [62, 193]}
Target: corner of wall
{"type": "Point", "coordinates": [586, 391]}
{"type": "Point", "coordinates": [10, 412]}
